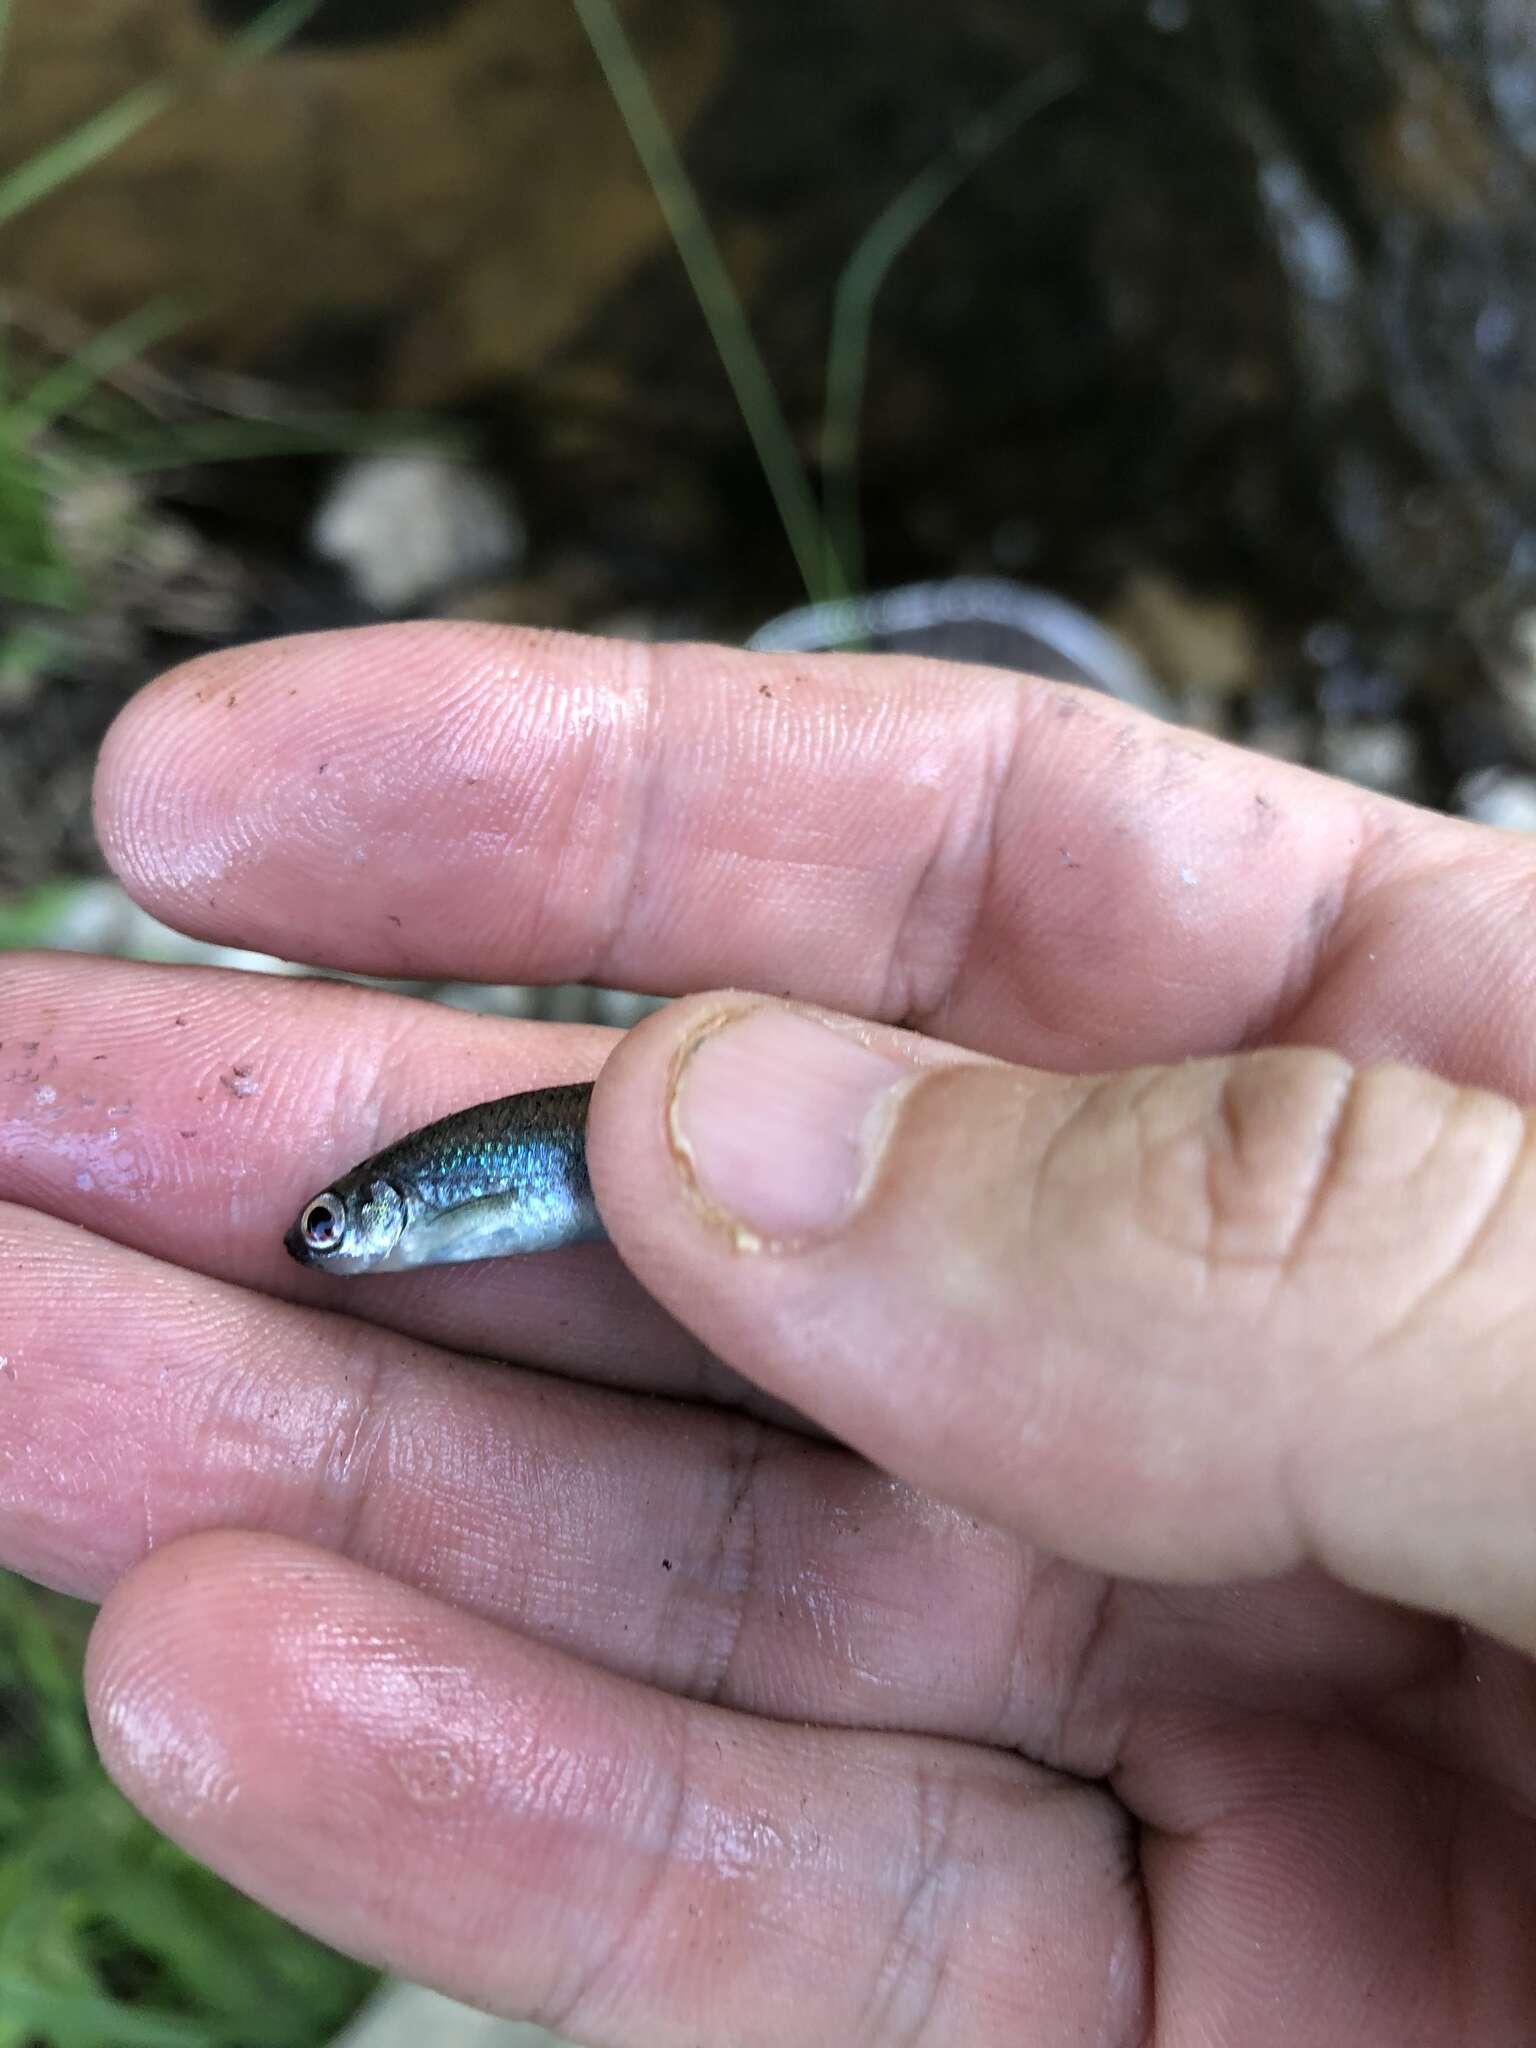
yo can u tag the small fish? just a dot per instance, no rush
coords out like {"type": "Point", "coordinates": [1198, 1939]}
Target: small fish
{"type": "Point", "coordinates": [504, 1177]}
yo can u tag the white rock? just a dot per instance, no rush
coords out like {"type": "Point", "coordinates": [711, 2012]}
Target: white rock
{"type": "Point", "coordinates": [405, 2016]}
{"type": "Point", "coordinates": [406, 527]}
{"type": "Point", "coordinates": [1379, 754]}
{"type": "Point", "coordinates": [1499, 796]}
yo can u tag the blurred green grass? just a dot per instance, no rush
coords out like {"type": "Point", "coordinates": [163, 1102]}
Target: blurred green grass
{"type": "Point", "coordinates": [110, 1937]}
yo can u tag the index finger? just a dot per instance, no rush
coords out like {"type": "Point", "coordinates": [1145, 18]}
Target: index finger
{"type": "Point", "coordinates": [1017, 865]}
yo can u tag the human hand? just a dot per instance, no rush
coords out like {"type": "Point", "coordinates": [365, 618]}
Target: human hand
{"type": "Point", "coordinates": [655, 1719]}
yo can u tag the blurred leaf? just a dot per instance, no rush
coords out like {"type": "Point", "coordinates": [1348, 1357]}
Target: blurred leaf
{"type": "Point", "coordinates": [43, 1659]}
{"type": "Point", "coordinates": [26, 652]}
{"type": "Point", "coordinates": [66, 2020]}
{"type": "Point", "coordinates": [65, 387]}
{"type": "Point", "coordinates": [199, 1946]}
{"type": "Point", "coordinates": [32, 921]}
{"type": "Point", "coordinates": [110, 1937]}
{"type": "Point", "coordinates": [32, 571]}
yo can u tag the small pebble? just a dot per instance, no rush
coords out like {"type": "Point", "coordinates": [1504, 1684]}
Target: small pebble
{"type": "Point", "coordinates": [407, 527]}
{"type": "Point", "coordinates": [1378, 754]}
{"type": "Point", "coordinates": [1498, 796]}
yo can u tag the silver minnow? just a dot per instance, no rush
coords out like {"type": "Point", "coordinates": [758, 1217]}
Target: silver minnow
{"type": "Point", "coordinates": [504, 1177]}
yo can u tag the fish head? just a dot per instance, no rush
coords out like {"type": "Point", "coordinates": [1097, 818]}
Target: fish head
{"type": "Point", "coordinates": [353, 1227]}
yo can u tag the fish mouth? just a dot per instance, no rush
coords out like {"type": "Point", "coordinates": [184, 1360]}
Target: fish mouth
{"type": "Point", "coordinates": [296, 1248]}
{"type": "Point", "coordinates": [338, 1262]}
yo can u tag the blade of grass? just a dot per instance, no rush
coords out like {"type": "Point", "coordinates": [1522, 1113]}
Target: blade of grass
{"type": "Point", "coordinates": [867, 269]}
{"type": "Point", "coordinates": [29, 921]}
{"type": "Point", "coordinates": [758, 402]}
{"type": "Point", "coordinates": [101, 133]}
{"type": "Point", "coordinates": [268, 32]}
{"type": "Point", "coordinates": [5, 29]}
{"type": "Point", "coordinates": [61, 389]}
{"type": "Point", "coordinates": [180, 447]}
{"type": "Point", "coordinates": [95, 138]}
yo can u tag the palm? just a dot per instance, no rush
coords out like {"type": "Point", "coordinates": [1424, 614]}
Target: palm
{"type": "Point", "coordinates": [1024, 1798]}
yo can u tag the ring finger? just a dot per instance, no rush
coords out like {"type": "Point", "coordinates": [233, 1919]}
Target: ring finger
{"type": "Point", "coordinates": [705, 1553]}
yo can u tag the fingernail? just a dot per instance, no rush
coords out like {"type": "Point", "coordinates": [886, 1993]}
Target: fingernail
{"type": "Point", "coordinates": [779, 1122]}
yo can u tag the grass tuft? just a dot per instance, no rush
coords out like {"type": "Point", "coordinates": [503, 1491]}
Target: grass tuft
{"type": "Point", "coordinates": [109, 1936]}
{"type": "Point", "coordinates": [826, 539]}
{"type": "Point", "coordinates": [762, 414]}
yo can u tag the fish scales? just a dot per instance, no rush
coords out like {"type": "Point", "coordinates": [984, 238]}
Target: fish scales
{"type": "Point", "coordinates": [491, 1181]}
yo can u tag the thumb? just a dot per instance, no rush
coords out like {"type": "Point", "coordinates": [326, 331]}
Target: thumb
{"type": "Point", "coordinates": [1202, 1321]}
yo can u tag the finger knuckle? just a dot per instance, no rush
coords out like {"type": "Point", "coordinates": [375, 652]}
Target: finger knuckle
{"type": "Point", "coordinates": [736, 1560]}
{"type": "Point", "coordinates": [1230, 1156]}
{"type": "Point", "coordinates": [1291, 1170]}
{"type": "Point", "coordinates": [917, 1954]}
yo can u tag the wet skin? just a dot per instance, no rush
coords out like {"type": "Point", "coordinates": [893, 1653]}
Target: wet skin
{"type": "Point", "coordinates": [1154, 1665]}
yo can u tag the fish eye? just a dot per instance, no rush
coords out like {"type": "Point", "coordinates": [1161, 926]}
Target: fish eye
{"type": "Point", "coordinates": [324, 1223]}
